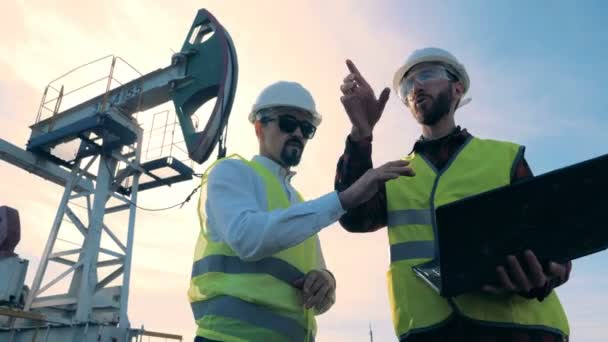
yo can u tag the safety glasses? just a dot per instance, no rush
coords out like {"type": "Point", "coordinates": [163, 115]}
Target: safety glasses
{"type": "Point", "coordinates": [289, 124]}
{"type": "Point", "coordinates": [432, 73]}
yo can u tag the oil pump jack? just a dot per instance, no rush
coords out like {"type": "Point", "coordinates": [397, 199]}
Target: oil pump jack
{"type": "Point", "coordinates": [106, 172]}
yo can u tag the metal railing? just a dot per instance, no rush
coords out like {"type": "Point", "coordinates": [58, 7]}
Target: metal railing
{"type": "Point", "coordinates": [164, 138]}
{"type": "Point", "coordinates": [58, 89]}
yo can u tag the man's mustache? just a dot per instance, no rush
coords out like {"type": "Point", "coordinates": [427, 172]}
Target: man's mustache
{"type": "Point", "coordinates": [295, 141]}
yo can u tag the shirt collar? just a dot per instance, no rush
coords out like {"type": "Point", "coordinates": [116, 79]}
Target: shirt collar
{"type": "Point", "coordinates": [422, 142]}
{"type": "Point", "coordinates": [274, 167]}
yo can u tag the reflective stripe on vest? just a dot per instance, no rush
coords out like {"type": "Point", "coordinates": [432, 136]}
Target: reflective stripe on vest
{"type": "Point", "coordinates": [412, 250]}
{"type": "Point", "coordinates": [277, 268]}
{"type": "Point", "coordinates": [409, 216]}
{"type": "Point", "coordinates": [227, 306]}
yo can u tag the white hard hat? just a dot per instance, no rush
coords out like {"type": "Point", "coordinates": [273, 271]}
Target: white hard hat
{"type": "Point", "coordinates": [437, 55]}
{"type": "Point", "coordinates": [286, 94]}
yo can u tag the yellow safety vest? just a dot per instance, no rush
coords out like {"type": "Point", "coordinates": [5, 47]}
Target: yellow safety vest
{"type": "Point", "coordinates": [481, 165]}
{"type": "Point", "coordinates": [237, 300]}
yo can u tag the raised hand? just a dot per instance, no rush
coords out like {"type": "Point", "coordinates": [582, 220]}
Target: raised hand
{"type": "Point", "coordinates": [363, 108]}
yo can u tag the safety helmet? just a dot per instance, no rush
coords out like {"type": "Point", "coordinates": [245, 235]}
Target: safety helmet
{"type": "Point", "coordinates": [285, 94]}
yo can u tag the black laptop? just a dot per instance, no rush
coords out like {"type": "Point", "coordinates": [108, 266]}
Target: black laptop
{"type": "Point", "coordinates": [560, 215]}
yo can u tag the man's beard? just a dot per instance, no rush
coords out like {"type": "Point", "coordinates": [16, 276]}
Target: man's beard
{"type": "Point", "coordinates": [290, 155]}
{"type": "Point", "coordinates": [435, 111]}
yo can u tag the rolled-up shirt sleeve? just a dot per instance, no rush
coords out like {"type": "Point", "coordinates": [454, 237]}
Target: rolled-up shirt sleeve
{"type": "Point", "coordinates": [356, 160]}
{"type": "Point", "coordinates": [241, 219]}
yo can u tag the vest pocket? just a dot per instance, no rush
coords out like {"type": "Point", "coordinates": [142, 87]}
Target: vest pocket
{"type": "Point", "coordinates": [414, 304]}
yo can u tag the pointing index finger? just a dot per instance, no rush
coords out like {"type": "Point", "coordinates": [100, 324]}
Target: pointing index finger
{"type": "Point", "coordinates": [353, 69]}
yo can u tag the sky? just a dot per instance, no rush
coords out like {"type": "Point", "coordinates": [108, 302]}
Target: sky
{"type": "Point", "coordinates": [538, 77]}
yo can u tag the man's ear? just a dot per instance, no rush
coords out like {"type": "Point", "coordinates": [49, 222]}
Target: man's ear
{"type": "Point", "coordinates": [458, 89]}
{"type": "Point", "coordinates": [259, 132]}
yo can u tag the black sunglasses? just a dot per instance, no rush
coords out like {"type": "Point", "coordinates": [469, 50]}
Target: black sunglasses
{"type": "Point", "coordinates": [289, 124]}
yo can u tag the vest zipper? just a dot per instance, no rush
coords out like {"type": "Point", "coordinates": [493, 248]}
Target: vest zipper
{"type": "Point", "coordinates": [440, 173]}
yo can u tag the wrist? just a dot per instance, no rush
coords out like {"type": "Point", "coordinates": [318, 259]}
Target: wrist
{"type": "Point", "coordinates": [346, 198]}
{"type": "Point", "coordinates": [358, 133]}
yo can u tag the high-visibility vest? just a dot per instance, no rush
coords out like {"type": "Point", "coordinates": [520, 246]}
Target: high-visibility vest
{"type": "Point", "coordinates": [480, 165]}
{"type": "Point", "coordinates": [237, 300]}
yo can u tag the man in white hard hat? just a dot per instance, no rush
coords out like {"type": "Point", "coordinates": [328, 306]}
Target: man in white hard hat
{"type": "Point", "coordinates": [450, 164]}
{"type": "Point", "coordinates": [258, 272]}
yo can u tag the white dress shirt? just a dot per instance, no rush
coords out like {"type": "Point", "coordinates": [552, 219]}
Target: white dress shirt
{"type": "Point", "coordinates": [236, 211]}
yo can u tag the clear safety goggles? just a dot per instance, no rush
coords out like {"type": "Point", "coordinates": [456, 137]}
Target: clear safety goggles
{"type": "Point", "coordinates": [431, 73]}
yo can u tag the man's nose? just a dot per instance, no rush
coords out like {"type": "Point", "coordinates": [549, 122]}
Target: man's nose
{"type": "Point", "coordinates": [298, 133]}
{"type": "Point", "coordinates": [417, 86]}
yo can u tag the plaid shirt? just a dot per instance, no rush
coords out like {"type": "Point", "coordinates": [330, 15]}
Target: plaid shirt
{"type": "Point", "coordinates": [372, 215]}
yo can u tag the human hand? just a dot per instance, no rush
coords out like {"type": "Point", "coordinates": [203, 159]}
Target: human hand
{"type": "Point", "coordinates": [513, 278]}
{"type": "Point", "coordinates": [363, 108]}
{"type": "Point", "coordinates": [368, 185]}
{"type": "Point", "coordinates": [318, 290]}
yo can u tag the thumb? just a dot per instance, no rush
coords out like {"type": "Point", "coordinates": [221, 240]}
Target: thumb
{"type": "Point", "coordinates": [557, 270]}
{"type": "Point", "coordinates": [383, 98]}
